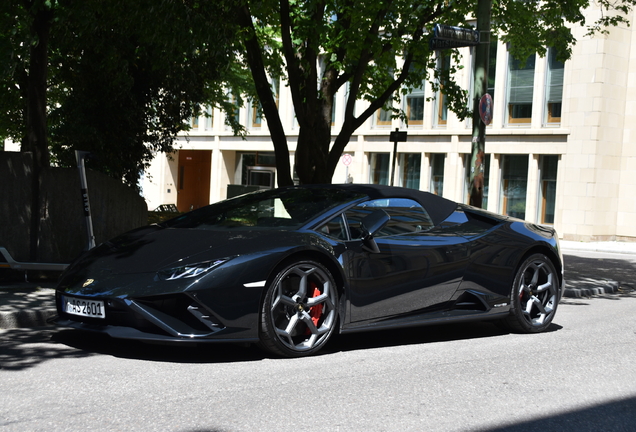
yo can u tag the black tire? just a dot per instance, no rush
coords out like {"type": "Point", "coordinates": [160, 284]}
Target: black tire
{"type": "Point", "coordinates": [534, 296]}
{"type": "Point", "coordinates": [299, 311]}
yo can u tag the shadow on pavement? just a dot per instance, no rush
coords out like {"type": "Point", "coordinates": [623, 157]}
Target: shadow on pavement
{"type": "Point", "coordinates": [418, 335]}
{"type": "Point", "coordinates": [617, 415]}
{"type": "Point", "coordinates": [174, 353]}
{"type": "Point", "coordinates": [578, 268]}
{"type": "Point", "coordinates": [24, 348]}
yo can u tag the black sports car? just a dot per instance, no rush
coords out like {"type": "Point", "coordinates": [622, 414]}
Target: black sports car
{"type": "Point", "coordinates": [286, 268]}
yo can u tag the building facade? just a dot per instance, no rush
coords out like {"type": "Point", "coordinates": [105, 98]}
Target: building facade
{"type": "Point", "coordinates": [560, 149]}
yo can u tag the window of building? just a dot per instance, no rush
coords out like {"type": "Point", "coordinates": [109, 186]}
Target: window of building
{"type": "Point", "coordinates": [255, 114]}
{"type": "Point", "coordinates": [379, 168]}
{"type": "Point", "coordinates": [553, 88]}
{"type": "Point", "coordinates": [236, 111]}
{"type": "Point", "coordinates": [415, 106]}
{"type": "Point", "coordinates": [437, 173]}
{"type": "Point", "coordinates": [276, 90]}
{"type": "Point", "coordinates": [194, 122]}
{"type": "Point", "coordinates": [547, 188]}
{"type": "Point", "coordinates": [492, 67]}
{"type": "Point", "coordinates": [514, 184]}
{"type": "Point", "coordinates": [333, 111]}
{"type": "Point", "coordinates": [441, 109]}
{"type": "Point", "coordinates": [209, 118]}
{"type": "Point", "coordinates": [383, 117]}
{"type": "Point", "coordinates": [257, 168]}
{"type": "Point", "coordinates": [409, 166]}
{"type": "Point", "coordinates": [520, 89]}
{"type": "Point", "coordinates": [468, 167]}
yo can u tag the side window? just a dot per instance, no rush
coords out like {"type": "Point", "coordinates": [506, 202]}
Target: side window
{"type": "Point", "coordinates": [407, 216]}
{"type": "Point", "coordinates": [335, 228]}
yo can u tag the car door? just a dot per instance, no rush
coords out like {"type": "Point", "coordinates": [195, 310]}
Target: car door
{"type": "Point", "coordinates": [417, 267]}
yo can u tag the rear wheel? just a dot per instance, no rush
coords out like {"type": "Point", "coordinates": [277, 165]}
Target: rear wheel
{"type": "Point", "coordinates": [300, 310]}
{"type": "Point", "coordinates": [534, 296]}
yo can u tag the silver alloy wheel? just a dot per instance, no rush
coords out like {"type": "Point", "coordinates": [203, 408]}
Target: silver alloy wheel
{"type": "Point", "coordinates": [538, 292]}
{"type": "Point", "coordinates": [301, 309]}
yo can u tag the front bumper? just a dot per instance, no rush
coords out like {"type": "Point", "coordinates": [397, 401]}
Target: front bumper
{"type": "Point", "coordinates": [169, 318]}
{"type": "Point", "coordinates": [120, 332]}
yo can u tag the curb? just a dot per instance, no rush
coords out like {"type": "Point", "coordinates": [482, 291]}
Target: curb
{"type": "Point", "coordinates": [32, 318]}
{"type": "Point", "coordinates": [606, 247]}
{"type": "Point", "coordinates": [592, 289]}
{"type": "Point", "coordinates": [26, 305]}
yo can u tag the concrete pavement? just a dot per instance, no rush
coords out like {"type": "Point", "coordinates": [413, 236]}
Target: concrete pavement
{"type": "Point", "coordinates": [26, 304]}
{"type": "Point", "coordinates": [30, 304]}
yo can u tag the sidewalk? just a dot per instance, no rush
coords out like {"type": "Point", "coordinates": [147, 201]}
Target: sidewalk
{"type": "Point", "coordinates": [609, 247]}
{"type": "Point", "coordinates": [29, 304]}
{"type": "Point", "coordinates": [26, 304]}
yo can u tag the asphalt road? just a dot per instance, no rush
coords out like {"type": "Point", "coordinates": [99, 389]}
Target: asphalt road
{"type": "Point", "coordinates": [579, 376]}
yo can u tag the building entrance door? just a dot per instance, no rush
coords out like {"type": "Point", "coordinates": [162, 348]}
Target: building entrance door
{"type": "Point", "coordinates": [194, 179]}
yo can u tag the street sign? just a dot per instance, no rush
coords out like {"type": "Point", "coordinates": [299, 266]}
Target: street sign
{"type": "Point", "coordinates": [445, 36]}
{"type": "Point", "coordinates": [347, 159]}
{"type": "Point", "coordinates": [485, 108]}
{"type": "Point", "coordinates": [397, 136]}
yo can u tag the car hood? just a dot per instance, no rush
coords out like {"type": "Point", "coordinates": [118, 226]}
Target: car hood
{"type": "Point", "coordinates": [155, 248]}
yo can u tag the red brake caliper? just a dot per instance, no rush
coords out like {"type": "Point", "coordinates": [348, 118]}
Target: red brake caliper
{"type": "Point", "coordinates": [315, 311]}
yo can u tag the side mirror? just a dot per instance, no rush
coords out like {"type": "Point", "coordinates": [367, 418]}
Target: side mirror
{"type": "Point", "coordinates": [370, 225]}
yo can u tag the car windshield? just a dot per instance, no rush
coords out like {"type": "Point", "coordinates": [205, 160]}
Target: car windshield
{"type": "Point", "coordinates": [287, 209]}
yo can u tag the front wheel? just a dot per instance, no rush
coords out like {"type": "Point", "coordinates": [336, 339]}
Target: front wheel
{"type": "Point", "coordinates": [300, 310]}
{"type": "Point", "coordinates": [534, 296]}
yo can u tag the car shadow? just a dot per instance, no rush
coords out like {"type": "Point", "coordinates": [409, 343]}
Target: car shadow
{"type": "Point", "coordinates": [229, 353]}
{"type": "Point", "coordinates": [161, 352]}
{"type": "Point", "coordinates": [418, 335]}
{"type": "Point", "coordinates": [25, 348]}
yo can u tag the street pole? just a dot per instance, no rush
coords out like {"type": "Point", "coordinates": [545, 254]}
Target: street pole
{"type": "Point", "coordinates": [482, 52]}
{"type": "Point", "coordinates": [80, 156]}
{"type": "Point", "coordinates": [396, 137]}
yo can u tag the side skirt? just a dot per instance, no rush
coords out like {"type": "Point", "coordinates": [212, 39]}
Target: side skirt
{"type": "Point", "coordinates": [426, 319]}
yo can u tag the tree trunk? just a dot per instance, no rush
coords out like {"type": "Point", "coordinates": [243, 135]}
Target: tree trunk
{"type": "Point", "coordinates": [36, 140]}
{"type": "Point", "coordinates": [312, 152]}
{"type": "Point", "coordinates": [263, 89]}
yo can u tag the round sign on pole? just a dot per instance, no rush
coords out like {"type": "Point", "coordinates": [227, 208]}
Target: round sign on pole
{"type": "Point", "coordinates": [485, 109]}
{"type": "Point", "coordinates": [347, 159]}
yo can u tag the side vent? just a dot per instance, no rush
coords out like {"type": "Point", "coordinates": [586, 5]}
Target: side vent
{"type": "Point", "coordinates": [470, 301]}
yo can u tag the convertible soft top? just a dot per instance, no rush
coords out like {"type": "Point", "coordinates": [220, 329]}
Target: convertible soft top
{"type": "Point", "coordinates": [437, 207]}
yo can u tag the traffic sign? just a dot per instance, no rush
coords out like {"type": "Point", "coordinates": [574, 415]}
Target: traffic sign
{"type": "Point", "coordinates": [485, 109]}
{"type": "Point", "coordinates": [397, 136]}
{"type": "Point", "coordinates": [445, 36]}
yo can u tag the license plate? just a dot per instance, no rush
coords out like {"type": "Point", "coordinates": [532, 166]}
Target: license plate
{"type": "Point", "coordinates": [83, 307]}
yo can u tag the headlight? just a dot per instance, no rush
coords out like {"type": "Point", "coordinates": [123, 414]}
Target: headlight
{"type": "Point", "coordinates": [189, 270]}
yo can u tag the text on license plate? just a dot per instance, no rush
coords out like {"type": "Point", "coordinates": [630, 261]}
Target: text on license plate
{"type": "Point", "coordinates": [83, 307]}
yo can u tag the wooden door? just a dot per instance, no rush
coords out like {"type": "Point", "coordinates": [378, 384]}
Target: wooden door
{"type": "Point", "coordinates": [193, 181]}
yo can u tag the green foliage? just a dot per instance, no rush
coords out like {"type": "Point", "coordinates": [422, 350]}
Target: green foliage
{"type": "Point", "coordinates": [379, 50]}
{"type": "Point", "coordinates": [124, 77]}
